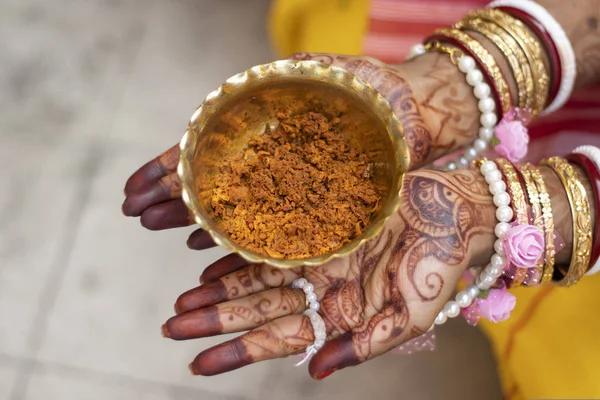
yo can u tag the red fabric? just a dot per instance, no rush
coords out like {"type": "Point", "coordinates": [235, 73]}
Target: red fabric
{"type": "Point", "coordinates": [396, 25]}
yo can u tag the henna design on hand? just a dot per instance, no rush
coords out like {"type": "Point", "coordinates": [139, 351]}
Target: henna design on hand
{"type": "Point", "coordinates": [371, 301]}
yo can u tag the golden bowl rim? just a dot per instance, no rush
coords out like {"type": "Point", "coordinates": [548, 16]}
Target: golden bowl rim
{"type": "Point", "coordinates": [303, 69]}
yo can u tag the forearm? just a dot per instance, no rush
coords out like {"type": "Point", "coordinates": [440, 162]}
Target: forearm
{"type": "Point", "coordinates": [482, 248]}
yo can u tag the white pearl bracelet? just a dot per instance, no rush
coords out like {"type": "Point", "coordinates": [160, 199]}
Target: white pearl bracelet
{"type": "Point", "coordinates": [561, 41]}
{"type": "Point", "coordinates": [593, 153]}
{"type": "Point", "coordinates": [487, 107]}
{"type": "Point", "coordinates": [490, 274]}
{"type": "Point", "coordinates": [316, 321]}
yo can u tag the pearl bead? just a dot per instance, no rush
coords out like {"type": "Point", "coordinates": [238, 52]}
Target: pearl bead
{"type": "Point", "coordinates": [493, 176]}
{"type": "Point", "coordinates": [308, 288]}
{"type": "Point", "coordinates": [487, 280]}
{"type": "Point", "coordinates": [501, 199]}
{"type": "Point", "coordinates": [498, 261]}
{"type": "Point", "coordinates": [498, 187]}
{"type": "Point", "coordinates": [451, 166]}
{"type": "Point", "coordinates": [416, 50]}
{"type": "Point", "coordinates": [488, 166]}
{"type": "Point", "coordinates": [310, 297]}
{"type": "Point", "coordinates": [451, 309]}
{"type": "Point", "coordinates": [504, 214]}
{"type": "Point", "coordinates": [299, 283]}
{"type": "Point", "coordinates": [479, 145]}
{"type": "Point", "coordinates": [483, 286]}
{"type": "Point", "coordinates": [493, 271]}
{"type": "Point", "coordinates": [474, 77]}
{"type": "Point", "coordinates": [466, 63]}
{"type": "Point", "coordinates": [488, 120]}
{"type": "Point", "coordinates": [472, 290]}
{"type": "Point", "coordinates": [499, 247]}
{"type": "Point", "coordinates": [471, 154]}
{"type": "Point", "coordinates": [463, 299]}
{"type": "Point", "coordinates": [486, 133]}
{"type": "Point", "coordinates": [501, 229]}
{"type": "Point", "coordinates": [482, 90]}
{"type": "Point", "coordinates": [462, 162]}
{"type": "Point", "coordinates": [315, 305]}
{"type": "Point", "coordinates": [441, 318]}
{"type": "Point", "coordinates": [486, 105]}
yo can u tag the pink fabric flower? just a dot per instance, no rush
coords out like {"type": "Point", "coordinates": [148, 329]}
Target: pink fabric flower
{"type": "Point", "coordinates": [497, 306]}
{"type": "Point", "coordinates": [523, 245]}
{"type": "Point", "coordinates": [512, 134]}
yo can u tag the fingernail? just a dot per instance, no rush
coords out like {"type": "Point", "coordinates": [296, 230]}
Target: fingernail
{"type": "Point", "coordinates": [325, 374]}
{"type": "Point", "coordinates": [164, 331]}
{"type": "Point", "coordinates": [191, 368]}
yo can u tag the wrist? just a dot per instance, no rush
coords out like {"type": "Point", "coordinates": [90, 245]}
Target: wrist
{"type": "Point", "coordinates": [445, 102]}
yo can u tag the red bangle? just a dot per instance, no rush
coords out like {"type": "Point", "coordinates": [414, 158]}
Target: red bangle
{"type": "Point", "coordinates": [480, 65]}
{"type": "Point", "coordinates": [591, 170]}
{"type": "Point", "coordinates": [540, 31]}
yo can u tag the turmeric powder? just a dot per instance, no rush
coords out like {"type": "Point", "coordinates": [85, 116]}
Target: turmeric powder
{"type": "Point", "coordinates": [297, 191]}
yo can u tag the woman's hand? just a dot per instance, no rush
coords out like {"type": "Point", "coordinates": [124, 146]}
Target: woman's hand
{"type": "Point", "coordinates": [429, 95]}
{"type": "Point", "coordinates": [372, 301]}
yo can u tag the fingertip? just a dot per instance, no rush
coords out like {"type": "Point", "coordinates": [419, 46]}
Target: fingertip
{"type": "Point", "coordinates": [164, 331]}
{"type": "Point", "coordinates": [324, 375]}
{"type": "Point", "coordinates": [200, 297]}
{"type": "Point", "coordinates": [224, 357]}
{"type": "Point", "coordinates": [192, 370]}
{"type": "Point", "coordinates": [200, 240]}
{"type": "Point", "coordinates": [337, 354]}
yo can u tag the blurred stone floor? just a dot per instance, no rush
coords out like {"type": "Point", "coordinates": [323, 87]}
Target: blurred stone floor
{"type": "Point", "coordinates": [89, 90]}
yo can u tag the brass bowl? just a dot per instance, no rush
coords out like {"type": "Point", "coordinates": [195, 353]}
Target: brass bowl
{"type": "Point", "coordinates": [247, 102]}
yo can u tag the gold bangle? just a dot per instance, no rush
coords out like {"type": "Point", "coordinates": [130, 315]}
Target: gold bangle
{"type": "Point", "coordinates": [536, 218]}
{"type": "Point", "coordinates": [519, 205]}
{"type": "Point", "coordinates": [454, 52]}
{"type": "Point", "coordinates": [582, 220]}
{"type": "Point", "coordinates": [548, 224]}
{"type": "Point", "coordinates": [513, 53]}
{"type": "Point", "coordinates": [529, 44]}
{"type": "Point", "coordinates": [486, 59]}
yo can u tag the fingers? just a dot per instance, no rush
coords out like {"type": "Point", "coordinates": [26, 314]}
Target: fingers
{"type": "Point", "coordinates": [226, 265]}
{"type": "Point", "coordinates": [172, 214]}
{"type": "Point", "coordinates": [244, 282]}
{"type": "Point", "coordinates": [280, 338]}
{"type": "Point", "coordinates": [237, 315]}
{"type": "Point", "coordinates": [154, 170]}
{"type": "Point", "coordinates": [379, 334]}
{"type": "Point", "coordinates": [167, 188]}
{"type": "Point", "coordinates": [200, 240]}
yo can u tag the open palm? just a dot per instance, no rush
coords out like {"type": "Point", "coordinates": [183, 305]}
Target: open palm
{"type": "Point", "coordinates": [371, 301]}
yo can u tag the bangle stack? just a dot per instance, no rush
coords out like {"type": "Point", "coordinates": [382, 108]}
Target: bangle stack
{"type": "Point", "coordinates": [582, 222]}
{"type": "Point", "coordinates": [526, 243]}
{"type": "Point", "coordinates": [522, 31]}
{"type": "Point", "coordinates": [556, 42]}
